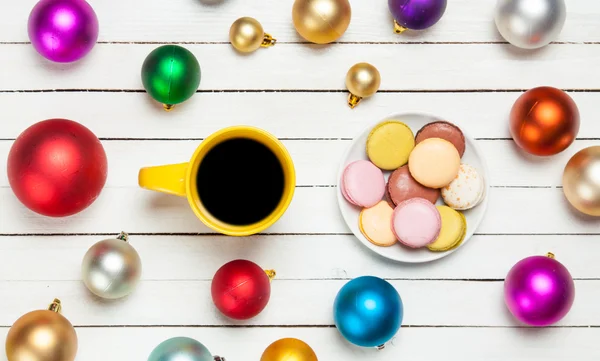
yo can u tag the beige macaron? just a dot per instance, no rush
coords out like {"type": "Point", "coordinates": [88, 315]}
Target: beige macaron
{"type": "Point", "coordinates": [375, 224]}
{"type": "Point", "coordinates": [434, 163]}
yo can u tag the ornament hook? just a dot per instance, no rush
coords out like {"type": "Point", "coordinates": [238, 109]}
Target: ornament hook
{"type": "Point", "coordinates": [550, 255]}
{"type": "Point", "coordinates": [268, 41]}
{"type": "Point", "coordinates": [399, 29]}
{"type": "Point", "coordinates": [271, 274]}
{"type": "Point", "coordinates": [219, 358]}
{"type": "Point", "coordinates": [353, 100]}
{"type": "Point", "coordinates": [123, 237]}
{"type": "Point", "coordinates": [168, 107]}
{"type": "Point", "coordinates": [380, 347]}
{"type": "Point", "coordinates": [55, 306]}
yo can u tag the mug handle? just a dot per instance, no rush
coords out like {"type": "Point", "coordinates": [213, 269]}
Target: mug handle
{"type": "Point", "coordinates": [168, 179]}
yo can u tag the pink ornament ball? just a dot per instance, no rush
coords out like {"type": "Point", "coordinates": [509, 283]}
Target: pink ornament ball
{"type": "Point", "coordinates": [539, 291]}
{"type": "Point", "coordinates": [63, 31]}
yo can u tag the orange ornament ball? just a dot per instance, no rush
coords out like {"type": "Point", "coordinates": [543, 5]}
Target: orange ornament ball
{"type": "Point", "coordinates": [544, 121]}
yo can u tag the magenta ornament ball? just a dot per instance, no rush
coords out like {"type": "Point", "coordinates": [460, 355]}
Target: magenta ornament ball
{"type": "Point", "coordinates": [63, 30]}
{"type": "Point", "coordinates": [539, 291]}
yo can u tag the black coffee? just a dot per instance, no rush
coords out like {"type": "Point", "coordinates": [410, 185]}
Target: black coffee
{"type": "Point", "coordinates": [240, 181]}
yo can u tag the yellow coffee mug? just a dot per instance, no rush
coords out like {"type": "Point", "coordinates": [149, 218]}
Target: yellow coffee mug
{"type": "Point", "coordinates": [180, 179]}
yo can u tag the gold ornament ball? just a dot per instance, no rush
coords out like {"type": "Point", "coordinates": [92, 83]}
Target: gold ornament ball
{"type": "Point", "coordinates": [43, 335]}
{"type": "Point", "coordinates": [363, 80]}
{"type": "Point", "coordinates": [289, 349]}
{"type": "Point", "coordinates": [247, 35]}
{"type": "Point", "coordinates": [321, 21]}
{"type": "Point", "coordinates": [581, 181]}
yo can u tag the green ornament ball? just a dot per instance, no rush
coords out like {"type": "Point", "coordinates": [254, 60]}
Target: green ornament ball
{"type": "Point", "coordinates": [171, 75]}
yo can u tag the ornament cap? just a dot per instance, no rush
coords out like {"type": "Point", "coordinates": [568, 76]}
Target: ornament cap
{"type": "Point", "coordinates": [123, 237]}
{"type": "Point", "coordinates": [380, 347]}
{"type": "Point", "coordinates": [55, 306]}
{"type": "Point", "coordinates": [219, 358]}
{"type": "Point", "coordinates": [550, 255]}
{"type": "Point", "coordinates": [268, 41]}
{"type": "Point", "coordinates": [399, 29]}
{"type": "Point", "coordinates": [271, 274]}
{"type": "Point", "coordinates": [353, 100]}
{"type": "Point", "coordinates": [168, 107]}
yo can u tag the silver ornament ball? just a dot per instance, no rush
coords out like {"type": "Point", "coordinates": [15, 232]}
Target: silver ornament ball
{"type": "Point", "coordinates": [111, 268]}
{"type": "Point", "coordinates": [530, 24]}
{"type": "Point", "coordinates": [182, 349]}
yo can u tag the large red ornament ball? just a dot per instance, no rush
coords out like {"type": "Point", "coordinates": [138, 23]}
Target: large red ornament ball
{"type": "Point", "coordinates": [57, 167]}
{"type": "Point", "coordinates": [241, 289]}
{"type": "Point", "coordinates": [544, 121]}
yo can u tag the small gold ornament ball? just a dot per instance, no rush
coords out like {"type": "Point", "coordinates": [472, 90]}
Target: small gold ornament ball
{"type": "Point", "coordinates": [246, 34]}
{"type": "Point", "coordinates": [581, 181]}
{"type": "Point", "coordinates": [289, 349]}
{"type": "Point", "coordinates": [43, 335]}
{"type": "Point", "coordinates": [363, 80]}
{"type": "Point", "coordinates": [321, 21]}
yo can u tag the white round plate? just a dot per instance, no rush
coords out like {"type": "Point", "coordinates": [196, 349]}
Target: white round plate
{"type": "Point", "coordinates": [398, 252]}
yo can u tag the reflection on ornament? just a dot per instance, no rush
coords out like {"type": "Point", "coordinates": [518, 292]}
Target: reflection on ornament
{"type": "Point", "coordinates": [241, 289]}
{"type": "Point", "coordinates": [171, 75]}
{"type": "Point", "coordinates": [43, 335]}
{"type": "Point", "coordinates": [111, 268]}
{"type": "Point", "coordinates": [368, 311]}
{"type": "Point", "coordinates": [63, 30]}
{"type": "Point", "coordinates": [321, 21]}
{"type": "Point", "coordinates": [539, 291]}
{"type": "Point", "coordinates": [182, 349]}
{"type": "Point", "coordinates": [289, 349]}
{"type": "Point", "coordinates": [247, 35]}
{"type": "Point", "coordinates": [363, 81]}
{"type": "Point", "coordinates": [416, 14]}
{"type": "Point", "coordinates": [544, 121]}
{"type": "Point", "coordinates": [581, 181]}
{"type": "Point", "coordinates": [57, 167]}
{"type": "Point", "coordinates": [530, 24]}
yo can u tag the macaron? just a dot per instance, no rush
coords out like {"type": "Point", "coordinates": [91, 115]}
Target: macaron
{"type": "Point", "coordinates": [402, 186]}
{"type": "Point", "coordinates": [363, 184]}
{"type": "Point", "coordinates": [444, 130]}
{"type": "Point", "coordinates": [416, 223]}
{"type": "Point", "coordinates": [453, 231]}
{"type": "Point", "coordinates": [434, 162]}
{"type": "Point", "coordinates": [375, 224]}
{"type": "Point", "coordinates": [389, 144]}
{"type": "Point", "coordinates": [466, 191]}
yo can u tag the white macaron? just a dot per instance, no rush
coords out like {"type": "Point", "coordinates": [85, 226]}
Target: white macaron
{"type": "Point", "coordinates": [466, 191]}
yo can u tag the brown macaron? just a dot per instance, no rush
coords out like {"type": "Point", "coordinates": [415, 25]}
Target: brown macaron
{"type": "Point", "coordinates": [444, 130]}
{"type": "Point", "coordinates": [402, 186]}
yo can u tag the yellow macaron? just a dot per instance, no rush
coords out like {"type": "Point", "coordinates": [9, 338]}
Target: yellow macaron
{"type": "Point", "coordinates": [389, 144]}
{"type": "Point", "coordinates": [375, 224]}
{"type": "Point", "coordinates": [454, 229]}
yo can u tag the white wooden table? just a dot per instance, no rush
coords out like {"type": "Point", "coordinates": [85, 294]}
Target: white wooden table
{"type": "Point", "coordinates": [460, 70]}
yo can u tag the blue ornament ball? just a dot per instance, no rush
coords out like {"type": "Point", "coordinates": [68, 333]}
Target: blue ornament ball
{"type": "Point", "coordinates": [180, 349]}
{"type": "Point", "coordinates": [368, 311]}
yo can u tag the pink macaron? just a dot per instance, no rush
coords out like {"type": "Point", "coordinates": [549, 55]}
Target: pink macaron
{"type": "Point", "coordinates": [416, 222]}
{"type": "Point", "coordinates": [363, 184]}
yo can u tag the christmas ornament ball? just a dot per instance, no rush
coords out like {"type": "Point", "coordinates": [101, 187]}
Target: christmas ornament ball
{"type": "Point", "coordinates": [111, 268]}
{"type": "Point", "coordinates": [241, 289]}
{"type": "Point", "coordinates": [581, 181]}
{"type": "Point", "coordinates": [368, 311]}
{"type": "Point", "coordinates": [544, 121]}
{"type": "Point", "coordinates": [63, 30]}
{"type": "Point", "coordinates": [171, 75]}
{"type": "Point", "coordinates": [363, 81]}
{"type": "Point", "coordinates": [43, 335]}
{"type": "Point", "coordinates": [247, 35]}
{"type": "Point", "coordinates": [182, 349]}
{"type": "Point", "coordinates": [57, 167]}
{"type": "Point", "coordinates": [321, 21]}
{"type": "Point", "coordinates": [530, 24]}
{"type": "Point", "coordinates": [539, 291]}
{"type": "Point", "coordinates": [289, 349]}
{"type": "Point", "coordinates": [416, 14]}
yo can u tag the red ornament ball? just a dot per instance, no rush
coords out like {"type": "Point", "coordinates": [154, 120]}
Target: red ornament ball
{"type": "Point", "coordinates": [57, 167]}
{"type": "Point", "coordinates": [241, 289]}
{"type": "Point", "coordinates": [544, 121]}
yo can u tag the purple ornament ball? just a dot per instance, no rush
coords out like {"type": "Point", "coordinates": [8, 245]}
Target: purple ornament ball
{"type": "Point", "coordinates": [63, 30]}
{"type": "Point", "coordinates": [539, 291]}
{"type": "Point", "coordinates": [417, 14]}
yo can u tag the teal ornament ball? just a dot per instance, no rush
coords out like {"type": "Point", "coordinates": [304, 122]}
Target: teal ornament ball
{"type": "Point", "coordinates": [171, 75]}
{"type": "Point", "coordinates": [182, 349]}
{"type": "Point", "coordinates": [368, 311]}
